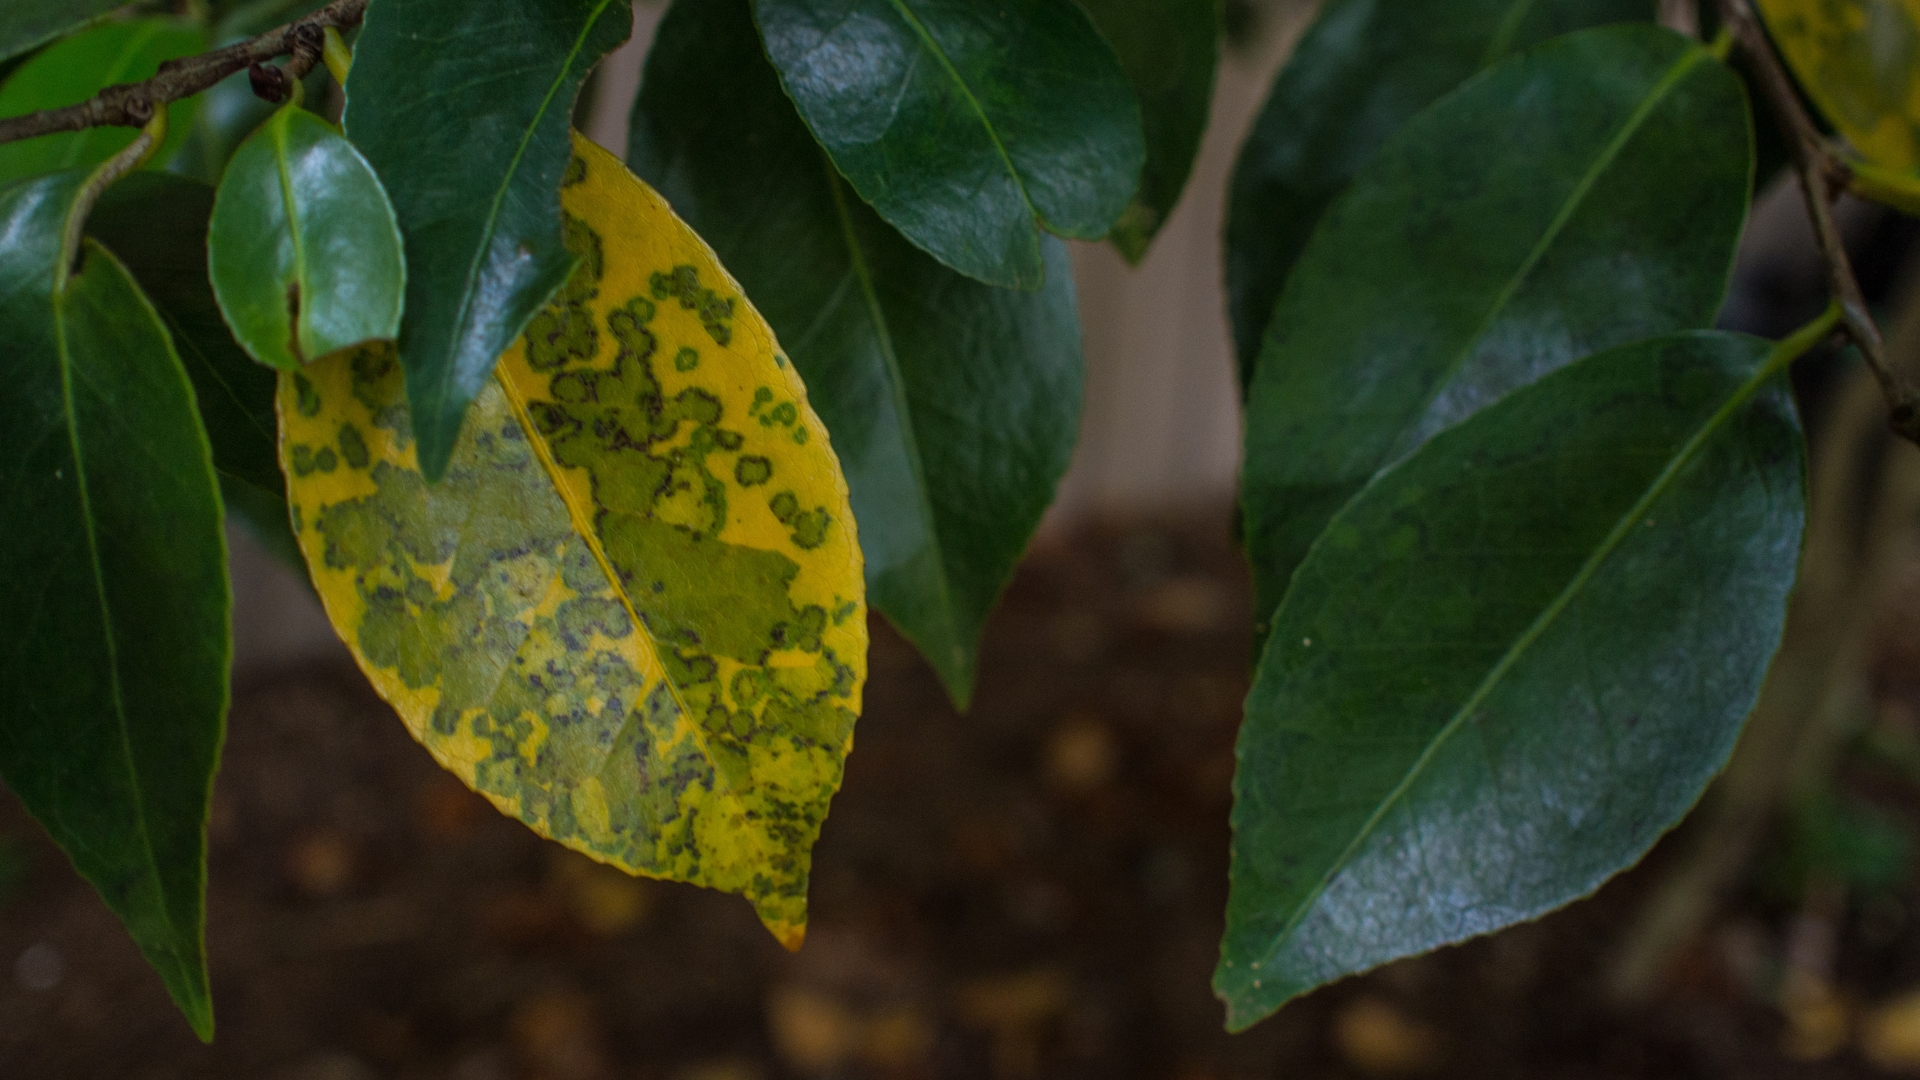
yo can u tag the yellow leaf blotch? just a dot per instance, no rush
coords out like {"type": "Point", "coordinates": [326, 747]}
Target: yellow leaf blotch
{"type": "Point", "coordinates": [1860, 62]}
{"type": "Point", "coordinates": [632, 615]}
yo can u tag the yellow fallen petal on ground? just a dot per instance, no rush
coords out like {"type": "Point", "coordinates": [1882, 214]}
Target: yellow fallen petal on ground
{"type": "Point", "coordinates": [632, 615]}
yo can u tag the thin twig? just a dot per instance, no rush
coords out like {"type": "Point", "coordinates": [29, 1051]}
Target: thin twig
{"type": "Point", "coordinates": [133, 104]}
{"type": "Point", "coordinates": [1822, 177]}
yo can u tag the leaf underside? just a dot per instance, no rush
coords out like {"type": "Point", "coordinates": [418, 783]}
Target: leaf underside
{"type": "Point", "coordinates": [632, 613]}
{"type": "Point", "coordinates": [115, 650]}
{"type": "Point", "coordinates": [888, 339]}
{"type": "Point", "coordinates": [962, 123]}
{"type": "Point", "coordinates": [1585, 194]}
{"type": "Point", "coordinates": [1511, 662]}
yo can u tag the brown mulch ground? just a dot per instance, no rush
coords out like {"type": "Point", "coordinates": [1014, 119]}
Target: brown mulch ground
{"type": "Point", "coordinates": [1031, 890]}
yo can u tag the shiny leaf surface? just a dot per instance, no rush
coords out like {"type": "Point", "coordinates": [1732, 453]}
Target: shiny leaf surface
{"type": "Point", "coordinates": [462, 108]}
{"type": "Point", "coordinates": [115, 646]}
{"type": "Point", "coordinates": [28, 24]}
{"type": "Point", "coordinates": [962, 121]}
{"type": "Point", "coordinates": [78, 68]}
{"type": "Point", "coordinates": [1363, 69]}
{"type": "Point", "coordinates": [953, 405]}
{"type": "Point", "coordinates": [1511, 663]}
{"type": "Point", "coordinates": [156, 223]}
{"type": "Point", "coordinates": [631, 615]}
{"type": "Point", "coordinates": [1578, 196]}
{"type": "Point", "coordinates": [1169, 49]}
{"type": "Point", "coordinates": [303, 250]}
{"type": "Point", "coordinates": [1859, 60]}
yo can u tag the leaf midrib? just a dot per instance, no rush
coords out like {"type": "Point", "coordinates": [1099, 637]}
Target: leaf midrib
{"type": "Point", "coordinates": [299, 314]}
{"type": "Point", "coordinates": [583, 527]}
{"type": "Point", "coordinates": [70, 414]}
{"type": "Point", "coordinates": [1622, 526]}
{"type": "Point", "coordinates": [897, 384]}
{"type": "Point", "coordinates": [491, 225]}
{"type": "Point", "coordinates": [1575, 201]}
{"type": "Point", "coordinates": [966, 91]}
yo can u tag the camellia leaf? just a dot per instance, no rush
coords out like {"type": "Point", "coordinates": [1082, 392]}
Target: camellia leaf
{"type": "Point", "coordinates": [28, 24]}
{"type": "Point", "coordinates": [462, 108]}
{"type": "Point", "coordinates": [1512, 661]}
{"type": "Point", "coordinates": [953, 405]}
{"type": "Point", "coordinates": [78, 68]}
{"type": "Point", "coordinates": [115, 648]}
{"type": "Point", "coordinates": [1169, 49]}
{"type": "Point", "coordinates": [632, 613]}
{"type": "Point", "coordinates": [1859, 60]}
{"type": "Point", "coordinates": [1363, 69]}
{"type": "Point", "coordinates": [303, 250]}
{"type": "Point", "coordinates": [962, 121]}
{"type": "Point", "coordinates": [1579, 196]}
{"type": "Point", "coordinates": [156, 223]}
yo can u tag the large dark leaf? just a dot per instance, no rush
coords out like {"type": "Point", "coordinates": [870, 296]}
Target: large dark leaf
{"type": "Point", "coordinates": [115, 643]}
{"type": "Point", "coordinates": [952, 405]}
{"type": "Point", "coordinates": [1512, 662]}
{"type": "Point", "coordinates": [26, 24]}
{"type": "Point", "coordinates": [1583, 195]}
{"type": "Point", "coordinates": [156, 224]}
{"type": "Point", "coordinates": [1363, 69]}
{"type": "Point", "coordinates": [961, 121]}
{"type": "Point", "coordinates": [1168, 49]}
{"type": "Point", "coordinates": [462, 108]}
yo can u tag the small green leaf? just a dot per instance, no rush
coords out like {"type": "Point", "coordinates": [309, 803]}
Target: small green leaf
{"type": "Point", "coordinates": [78, 68]}
{"type": "Point", "coordinates": [953, 405]}
{"type": "Point", "coordinates": [303, 250]}
{"type": "Point", "coordinates": [1169, 49]}
{"type": "Point", "coordinates": [462, 108]}
{"type": "Point", "coordinates": [1363, 69]}
{"type": "Point", "coordinates": [157, 224]}
{"type": "Point", "coordinates": [1859, 60]}
{"type": "Point", "coordinates": [115, 648]}
{"type": "Point", "coordinates": [28, 24]}
{"type": "Point", "coordinates": [1512, 662]}
{"type": "Point", "coordinates": [1576, 197]}
{"type": "Point", "coordinates": [962, 121]}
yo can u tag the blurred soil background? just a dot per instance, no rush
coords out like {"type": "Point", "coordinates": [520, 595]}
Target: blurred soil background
{"type": "Point", "coordinates": [1032, 890]}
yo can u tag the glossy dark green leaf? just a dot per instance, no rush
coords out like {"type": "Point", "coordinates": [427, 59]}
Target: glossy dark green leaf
{"type": "Point", "coordinates": [462, 108]}
{"type": "Point", "coordinates": [962, 121]}
{"type": "Point", "coordinates": [952, 405]}
{"type": "Point", "coordinates": [78, 68]}
{"type": "Point", "coordinates": [28, 24]}
{"type": "Point", "coordinates": [156, 223]}
{"type": "Point", "coordinates": [303, 250]}
{"type": "Point", "coordinates": [116, 643]}
{"type": "Point", "coordinates": [1169, 49]}
{"type": "Point", "coordinates": [1582, 195]}
{"type": "Point", "coordinates": [1512, 662]}
{"type": "Point", "coordinates": [1363, 69]}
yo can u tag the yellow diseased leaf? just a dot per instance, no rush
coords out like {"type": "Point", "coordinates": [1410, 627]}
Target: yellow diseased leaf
{"type": "Point", "coordinates": [1860, 62]}
{"type": "Point", "coordinates": [632, 614]}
